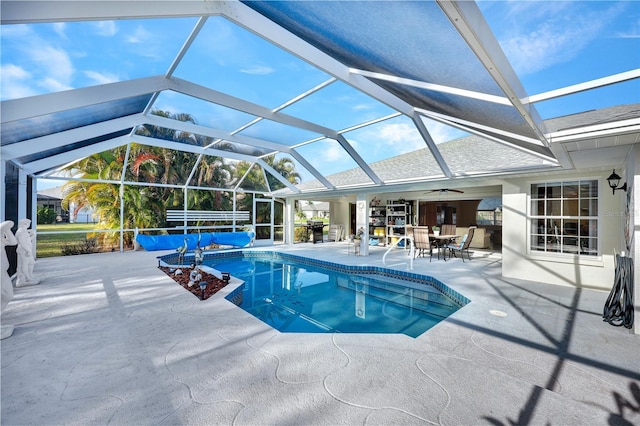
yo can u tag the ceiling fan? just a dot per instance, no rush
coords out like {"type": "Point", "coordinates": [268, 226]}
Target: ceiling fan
{"type": "Point", "coordinates": [444, 190]}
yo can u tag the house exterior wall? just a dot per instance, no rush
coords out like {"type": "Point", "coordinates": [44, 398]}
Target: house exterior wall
{"type": "Point", "coordinates": [561, 269]}
{"type": "Point", "coordinates": [633, 179]}
{"type": "Point", "coordinates": [339, 215]}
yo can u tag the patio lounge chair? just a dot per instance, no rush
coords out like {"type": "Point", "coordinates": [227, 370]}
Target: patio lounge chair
{"type": "Point", "coordinates": [464, 244]}
{"type": "Point", "coordinates": [421, 241]}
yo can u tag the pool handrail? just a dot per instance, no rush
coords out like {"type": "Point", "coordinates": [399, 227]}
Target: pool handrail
{"type": "Point", "coordinates": [409, 240]}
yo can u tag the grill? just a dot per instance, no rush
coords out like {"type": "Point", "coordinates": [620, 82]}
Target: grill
{"type": "Point", "coordinates": [315, 227]}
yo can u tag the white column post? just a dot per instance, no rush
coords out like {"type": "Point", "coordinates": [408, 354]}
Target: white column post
{"type": "Point", "coordinates": [362, 221]}
{"type": "Point", "coordinates": [289, 220]}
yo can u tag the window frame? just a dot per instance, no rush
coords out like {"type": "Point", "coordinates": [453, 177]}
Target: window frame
{"type": "Point", "coordinates": [578, 221]}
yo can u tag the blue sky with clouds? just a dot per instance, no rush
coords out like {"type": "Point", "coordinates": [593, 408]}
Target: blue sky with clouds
{"type": "Point", "coordinates": [550, 44]}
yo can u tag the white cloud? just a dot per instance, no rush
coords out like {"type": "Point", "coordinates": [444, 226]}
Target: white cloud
{"type": "Point", "coordinates": [16, 31]}
{"type": "Point", "coordinates": [14, 82]}
{"type": "Point", "coordinates": [441, 132]}
{"type": "Point", "coordinates": [258, 70]}
{"type": "Point", "coordinates": [632, 32]}
{"type": "Point", "coordinates": [140, 35]}
{"type": "Point", "coordinates": [547, 45]}
{"type": "Point", "coordinates": [333, 152]}
{"type": "Point", "coordinates": [59, 28]}
{"type": "Point", "coordinates": [387, 140]}
{"type": "Point", "coordinates": [537, 35]}
{"type": "Point", "coordinates": [145, 43]}
{"type": "Point", "coordinates": [361, 107]}
{"type": "Point", "coordinates": [105, 28]}
{"type": "Point", "coordinates": [101, 78]}
{"type": "Point", "coordinates": [11, 71]}
{"type": "Point", "coordinates": [402, 136]}
{"type": "Point", "coordinates": [56, 64]}
{"type": "Point", "coordinates": [53, 85]}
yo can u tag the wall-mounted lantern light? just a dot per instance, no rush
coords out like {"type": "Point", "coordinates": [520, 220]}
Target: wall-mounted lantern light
{"type": "Point", "coordinates": [614, 180]}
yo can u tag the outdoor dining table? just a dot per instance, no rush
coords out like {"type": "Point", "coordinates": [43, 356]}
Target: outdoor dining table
{"type": "Point", "coordinates": [441, 242]}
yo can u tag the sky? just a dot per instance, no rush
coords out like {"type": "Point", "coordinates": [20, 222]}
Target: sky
{"type": "Point", "coordinates": [550, 44]}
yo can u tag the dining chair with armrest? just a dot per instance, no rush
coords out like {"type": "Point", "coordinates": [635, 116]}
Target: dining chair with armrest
{"type": "Point", "coordinates": [464, 244]}
{"type": "Point", "coordinates": [421, 241]}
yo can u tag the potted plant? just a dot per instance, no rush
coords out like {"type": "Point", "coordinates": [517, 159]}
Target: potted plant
{"type": "Point", "coordinates": [436, 230]}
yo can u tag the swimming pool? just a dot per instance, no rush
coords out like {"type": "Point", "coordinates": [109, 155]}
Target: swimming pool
{"type": "Point", "coordinates": [301, 295]}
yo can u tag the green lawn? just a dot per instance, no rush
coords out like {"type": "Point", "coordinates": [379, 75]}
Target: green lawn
{"type": "Point", "coordinates": [51, 245]}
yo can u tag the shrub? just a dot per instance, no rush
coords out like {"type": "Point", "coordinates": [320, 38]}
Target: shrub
{"type": "Point", "coordinates": [88, 245]}
{"type": "Point", "coordinates": [46, 215]}
{"type": "Point", "coordinates": [301, 234]}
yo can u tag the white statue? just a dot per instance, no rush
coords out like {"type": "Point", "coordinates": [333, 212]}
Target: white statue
{"type": "Point", "coordinates": [26, 254]}
{"type": "Point", "coordinates": [8, 239]}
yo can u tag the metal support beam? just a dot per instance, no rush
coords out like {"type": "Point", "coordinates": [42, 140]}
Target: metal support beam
{"type": "Point", "coordinates": [31, 11]}
{"type": "Point", "coordinates": [470, 23]}
{"type": "Point", "coordinates": [431, 144]}
{"type": "Point", "coordinates": [34, 106]}
{"type": "Point", "coordinates": [359, 160]}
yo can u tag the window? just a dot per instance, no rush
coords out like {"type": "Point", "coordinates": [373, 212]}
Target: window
{"type": "Point", "coordinates": [564, 217]}
{"type": "Point", "coordinates": [489, 211]}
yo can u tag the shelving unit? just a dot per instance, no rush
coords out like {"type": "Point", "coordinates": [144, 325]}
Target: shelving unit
{"type": "Point", "coordinates": [398, 217]}
{"type": "Point", "coordinates": [378, 223]}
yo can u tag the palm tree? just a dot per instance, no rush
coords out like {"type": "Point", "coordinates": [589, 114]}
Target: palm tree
{"type": "Point", "coordinates": [145, 206]}
{"type": "Point", "coordinates": [286, 167]}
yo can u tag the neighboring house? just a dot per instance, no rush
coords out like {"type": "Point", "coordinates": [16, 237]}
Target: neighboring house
{"type": "Point", "coordinates": [52, 198]}
{"type": "Point", "coordinates": [312, 209]}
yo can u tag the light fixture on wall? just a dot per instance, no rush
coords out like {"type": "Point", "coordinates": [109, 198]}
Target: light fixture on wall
{"type": "Point", "coordinates": [614, 180]}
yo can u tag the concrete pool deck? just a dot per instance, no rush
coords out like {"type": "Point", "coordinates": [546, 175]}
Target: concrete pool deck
{"type": "Point", "coordinates": [110, 339]}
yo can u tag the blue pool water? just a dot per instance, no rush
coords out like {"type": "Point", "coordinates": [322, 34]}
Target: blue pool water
{"type": "Point", "coordinates": [297, 294]}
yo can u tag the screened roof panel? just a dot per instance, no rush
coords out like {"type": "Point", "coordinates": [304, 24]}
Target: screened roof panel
{"type": "Point", "coordinates": [21, 130]}
{"type": "Point", "coordinates": [203, 112]}
{"type": "Point", "coordinates": [329, 157]}
{"type": "Point", "coordinates": [385, 139]}
{"type": "Point", "coordinates": [212, 172]}
{"type": "Point", "coordinates": [277, 132]}
{"type": "Point", "coordinates": [414, 165]}
{"type": "Point", "coordinates": [535, 148]}
{"type": "Point", "coordinates": [338, 106]}
{"type": "Point", "coordinates": [39, 155]}
{"type": "Point", "coordinates": [145, 161]}
{"type": "Point", "coordinates": [410, 39]}
{"type": "Point", "coordinates": [627, 92]}
{"type": "Point", "coordinates": [229, 58]}
{"type": "Point", "coordinates": [486, 113]}
{"type": "Point", "coordinates": [255, 179]}
{"type": "Point", "coordinates": [235, 147]}
{"type": "Point", "coordinates": [70, 55]}
{"type": "Point", "coordinates": [288, 168]}
{"type": "Point", "coordinates": [474, 154]}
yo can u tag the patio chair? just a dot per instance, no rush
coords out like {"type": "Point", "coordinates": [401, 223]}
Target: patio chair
{"type": "Point", "coordinates": [464, 244]}
{"type": "Point", "coordinates": [421, 241]}
{"type": "Point", "coordinates": [448, 229]}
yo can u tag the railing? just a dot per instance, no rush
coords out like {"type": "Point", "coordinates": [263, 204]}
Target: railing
{"type": "Point", "coordinates": [409, 240]}
{"type": "Point", "coordinates": [206, 215]}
